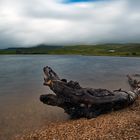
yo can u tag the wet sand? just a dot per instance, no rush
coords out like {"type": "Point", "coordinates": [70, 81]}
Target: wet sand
{"type": "Point", "coordinates": [119, 125]}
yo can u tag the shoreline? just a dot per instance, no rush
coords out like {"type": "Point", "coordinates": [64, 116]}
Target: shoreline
{"type": "Point", "coordinates": [123, 124]}
{"type": "Point", "coordinates": [70, 55]}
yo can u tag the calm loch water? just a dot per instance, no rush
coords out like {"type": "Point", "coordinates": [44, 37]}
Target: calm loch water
{"type": "Point", "coordinates": [21, 84]}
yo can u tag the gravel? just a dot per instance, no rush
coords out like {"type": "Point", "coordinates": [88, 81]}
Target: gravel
{"type": "Point", "coordinates": [119, 125]}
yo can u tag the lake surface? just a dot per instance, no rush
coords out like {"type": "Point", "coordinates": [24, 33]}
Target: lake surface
{"type": "Point", "coordinates": [21, 84]}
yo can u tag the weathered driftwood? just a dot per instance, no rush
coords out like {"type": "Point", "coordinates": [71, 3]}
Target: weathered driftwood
{"type": "Point", "coordinates": [86, 102]}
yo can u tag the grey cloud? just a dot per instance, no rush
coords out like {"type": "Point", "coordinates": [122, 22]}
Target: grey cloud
{"type": "Point", "coordinates": [26, 23]}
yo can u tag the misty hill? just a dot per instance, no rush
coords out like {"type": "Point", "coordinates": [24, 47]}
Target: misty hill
{"type": "Point", "coordinates": [102, 49]}
{"type": "Point", "coordinates": [39, 49]}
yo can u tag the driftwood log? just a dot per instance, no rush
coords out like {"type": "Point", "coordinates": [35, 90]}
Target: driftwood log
{"type": "Point", "coordinates": [86, 102]}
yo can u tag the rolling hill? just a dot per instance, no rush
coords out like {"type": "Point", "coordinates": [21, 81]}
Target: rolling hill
{"type": "Point", "coordinates": [97, 50]}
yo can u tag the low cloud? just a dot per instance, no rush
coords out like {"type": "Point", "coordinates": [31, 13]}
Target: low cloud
{"type": "Point", "coordinates": [54, 22]}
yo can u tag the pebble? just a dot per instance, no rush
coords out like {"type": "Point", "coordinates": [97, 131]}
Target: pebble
{"type": "Point", "coordinates": [119, 125]}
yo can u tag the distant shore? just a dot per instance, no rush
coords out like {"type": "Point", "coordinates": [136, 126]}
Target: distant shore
{"type": "Point", "coordinates": [124, 124]}
{"type": "Point", "coordinates": [106, 55]}
{"type": "Point", "coordinates": [127, 50]}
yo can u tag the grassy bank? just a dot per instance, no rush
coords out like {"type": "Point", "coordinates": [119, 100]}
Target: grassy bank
{"type": "Point", "coordinates": [120, 125]}
{"type": "Point", "coordinates": [96, 50]}
{"type": "Point", "coordinates": [101, 50]}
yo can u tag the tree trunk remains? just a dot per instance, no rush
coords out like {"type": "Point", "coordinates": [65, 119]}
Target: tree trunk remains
{"type": "Point", "coordinates": [86, 102]}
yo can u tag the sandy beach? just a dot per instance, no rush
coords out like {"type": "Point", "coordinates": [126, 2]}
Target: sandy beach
{"type": "Point", "coordinates": [120, 125]}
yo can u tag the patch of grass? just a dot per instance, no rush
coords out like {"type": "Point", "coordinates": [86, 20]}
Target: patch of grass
{"type": "Point", "coordinates": [105, 50]}
{"type": "Point", "coordinates": [97, 50]}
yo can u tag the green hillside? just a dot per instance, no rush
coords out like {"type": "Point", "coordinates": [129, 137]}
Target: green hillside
{"type": "Point", "coordinates": [101, 50]}
{"type": "Point", "coordinates": [39, 49]}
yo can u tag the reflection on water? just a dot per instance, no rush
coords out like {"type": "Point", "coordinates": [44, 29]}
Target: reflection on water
{"type": "Point", "coordinates": [21, 79]}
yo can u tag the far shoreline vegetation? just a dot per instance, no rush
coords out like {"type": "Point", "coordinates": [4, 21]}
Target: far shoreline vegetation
{"type": "Point", "coordinates": [131, 49]}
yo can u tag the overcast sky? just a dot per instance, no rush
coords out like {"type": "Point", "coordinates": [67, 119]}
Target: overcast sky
{"type": "Point", "coordinates": [32, 22]}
